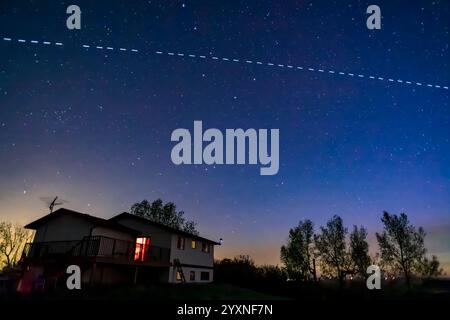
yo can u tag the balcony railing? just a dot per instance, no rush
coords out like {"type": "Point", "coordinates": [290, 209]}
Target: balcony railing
{"type": "Point", "coordinates": [95, 246]}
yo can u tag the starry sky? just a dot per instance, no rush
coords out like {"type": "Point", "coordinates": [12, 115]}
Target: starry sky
{"type": "Point", "coordinates": [93, 125]}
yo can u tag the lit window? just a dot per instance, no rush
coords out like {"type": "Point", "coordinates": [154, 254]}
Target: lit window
{"type": "Point", "coordinates": [205, 247]}
{"type": "Point", "coordinates": [178, 276]}
{"type": "Point", "coordinates": [142, 248]}
{"type": "Point", "coordinates": [180, 243]}
{"type": "Point", "coordinates": [192, 276]}
{"type": "Point", "coordinates": [193, 244]}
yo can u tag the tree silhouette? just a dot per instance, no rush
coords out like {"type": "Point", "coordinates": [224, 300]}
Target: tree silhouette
{"type": "Point", "coordinates": [430, 268]}
{"type": "Point", "coordinates": [242, 271]}
{"type": "Point", "coordinates": [166, 214]}
{"type": "Point", "coordinates": [297, 255]}
{"type": "Point", "coordinates": [359, 250]}
{"type": "Point", "coordinates": [401, 245]}
{"type": "Point", "coordinates": [12, 240]}
{"type": "Point", "coordinates": [331, 246]}
{"type": "Point", "coordinates": [189, 226]}
{"type": "Point", "coordinates": [239, 270]}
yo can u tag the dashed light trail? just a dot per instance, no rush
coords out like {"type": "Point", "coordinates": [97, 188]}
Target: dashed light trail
{"type": "Point", "coordinates": [235, 60]}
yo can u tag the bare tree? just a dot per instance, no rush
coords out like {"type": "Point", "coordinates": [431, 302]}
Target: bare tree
{"type": "Point", "coordinates": [297, 254]}
{"type": "Point", "coordinates": [401, 245]}
{"type": "Point", "coordinates": [12, 240]}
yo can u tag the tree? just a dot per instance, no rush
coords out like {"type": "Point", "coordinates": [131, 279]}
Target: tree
{"type": "Point", "coordinates": [331, 246]}
{"type": "Point", "coordinates": [189, 226]}
{"type": "Point", "coordinates": [166, 214]}
{"type": "Point", "coordinates": [144, 209]}
{"type": "Point", "coordinates": [12, 241]}
{"type": "Point", "coordinates": [242, 271]}
{"type": "Point", "coordinates": [431, 268]}
{"type": "Point", "coordinates": [359, 250]}
{"type": "Point", "coordinates": [239, 270]}
{"type": "Point", "coordinates": [401, 245]}
{"type": "Point", "coordinates": [297, 255]}
{"type": "Point", "coordinates": [271, 276]}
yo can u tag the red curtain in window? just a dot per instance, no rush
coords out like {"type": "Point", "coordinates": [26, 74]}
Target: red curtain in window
{"type": "Point", "coordinates": [142, 246]}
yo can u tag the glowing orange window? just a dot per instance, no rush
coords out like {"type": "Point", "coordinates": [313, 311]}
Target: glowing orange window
{"type": "Point", "coordinates": [142, 248]}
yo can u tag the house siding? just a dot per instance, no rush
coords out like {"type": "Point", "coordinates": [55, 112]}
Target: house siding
{"type": "Point", "coordinates": [191, 256]}
{"type": "Point", "coordinates": [69, 228]}
{"type": "Point", "coordinates": [106, 232]}
{"type": "Point", "coordinates": [186, 272]}
{"type": "Point", "coordinates": [191, 259]}
{"type": "Point", "coordinates": [63, 228]}
{"type": "Point", "coordinates": [159, 237]}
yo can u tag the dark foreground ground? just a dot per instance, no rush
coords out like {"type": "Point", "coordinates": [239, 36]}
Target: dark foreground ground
{"type": "Point", "coordinates": [288, 300]}
{"type": "Point", "coordinates": [149, 292]}
{"type": "Point", "coordinates": [324, 291]}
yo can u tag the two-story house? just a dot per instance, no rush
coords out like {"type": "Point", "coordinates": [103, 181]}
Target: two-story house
{"type": "Point", "coordinates": [123, 249]}
{"type": "Point", "coordinates": [190, 255]}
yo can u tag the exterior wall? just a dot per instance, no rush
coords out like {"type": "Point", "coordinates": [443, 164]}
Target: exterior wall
{"type": "Point", "coordinates": [112, 274]}
{"type": "Point", "coordinates": [195, 257]}
{"type": "Point", "coordinates": [186, 271]}
{"type": "Point", "coordinates": [68, 228]}
{"type": "Point", "coordinates": [107, 275]}
{"type": "Point", "coordinates": [101, 231]}
{"type": "Point", "coordinates": [63, 228]}
{"type": "Point", "coordinates": [191, 256]}
{"type": "Point", "coordinates": [159, 237]}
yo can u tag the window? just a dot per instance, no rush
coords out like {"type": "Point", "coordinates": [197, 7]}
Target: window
{"type": "Point", "coordinates": [180, 243]}
{"type": "Point", "coordinates": [204, 275]}
{"type": "Point", "coordinates": [193, 244]}
{"type": "Point", "coordinates": [141, 250]}
{"type": "Point", "coordinates": [192, 276]}
{"type": "Point", "coordinates": [205, 247]}
{"type": "Point", "coordinates": [178, 276]}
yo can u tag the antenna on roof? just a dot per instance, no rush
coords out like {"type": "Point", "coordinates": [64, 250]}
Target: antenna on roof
{"type": "Point", "coordinates": [52, 202]}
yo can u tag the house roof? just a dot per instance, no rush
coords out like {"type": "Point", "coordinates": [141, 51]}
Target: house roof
{"type": "Point", "coordinates": [94, 220]}
{"type": "Point", "coordinates": [162, 226]}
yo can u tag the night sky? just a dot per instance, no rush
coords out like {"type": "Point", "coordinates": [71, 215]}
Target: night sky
{"type": "Point", "coordinates": [93, 125]}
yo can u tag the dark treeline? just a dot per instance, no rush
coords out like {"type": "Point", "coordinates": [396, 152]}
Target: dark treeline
{"type": "Point", "coordinates": [332, 254]}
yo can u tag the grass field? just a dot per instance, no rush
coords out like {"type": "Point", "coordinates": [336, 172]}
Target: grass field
{"type": "Point", "coordinates": [325, 291]}
{"type": "Point", "coordinates": [159, 292]}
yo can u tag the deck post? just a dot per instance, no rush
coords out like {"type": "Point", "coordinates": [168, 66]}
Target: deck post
{"type": "Point", "coordinates": [91, 280]}
{"type": "Point", "coordinates": [114, 247]}
{"type": "Point", "coordinates": [135, 275]}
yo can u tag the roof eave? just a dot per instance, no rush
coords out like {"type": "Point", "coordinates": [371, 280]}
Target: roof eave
{"type": "Point", "coordinates": [127, 214]}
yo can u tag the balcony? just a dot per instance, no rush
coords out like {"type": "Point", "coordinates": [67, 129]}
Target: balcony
{"type": "Point", "coordinates": [97, 248]}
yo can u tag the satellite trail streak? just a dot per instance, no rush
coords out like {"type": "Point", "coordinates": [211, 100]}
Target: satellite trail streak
{"type": "Point", "coordinates": [216, 58]}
